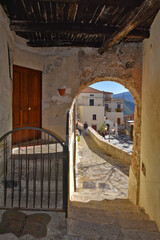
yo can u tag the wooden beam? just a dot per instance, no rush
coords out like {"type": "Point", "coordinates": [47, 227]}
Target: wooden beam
{"type": "Point", "coordinates": [127, 3]}
{"type": "Point", "coordinates": [63, 43]}
{"type": "Point", "coordinates": [60, 1]}
{"type": "Point", "coordinates": [136, 17]}
{"type": "Point", "coordinates": [92, 29]}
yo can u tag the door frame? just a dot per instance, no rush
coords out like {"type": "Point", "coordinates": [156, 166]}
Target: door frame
{"type": "Point", "coordinates": [30, 69]}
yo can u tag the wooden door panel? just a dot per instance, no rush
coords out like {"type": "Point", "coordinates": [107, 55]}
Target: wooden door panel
{"type": "Point", "coordinates": [25, 91]}
{"type": "Point", "coordinates": [35, 100]}
{"type": "Point", "coordinates": [16, 119]}
{"type": "Point", "coordinates": [35, 117]}
{"type": "Point", "coordinates": [25, 118]}
{"type": "Point", "coordinates": [26, 101]}
{"type": "Point", "coordinates": [16, 100]}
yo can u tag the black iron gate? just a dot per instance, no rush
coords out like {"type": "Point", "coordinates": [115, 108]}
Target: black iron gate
{"type": "Point", "coordinates": [34, 173]}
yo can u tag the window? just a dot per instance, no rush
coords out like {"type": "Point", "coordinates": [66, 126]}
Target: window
{"type": "Point", "coordinates": [91, 102]}
{"type": "Point", "coordinates": [118, 106]}
{"type": "Point", "coordinates": [91, 95]}
{"type": "Point", "coordinates": [94, 117]}
{"type": "Point", "coordinates": [106, 106]}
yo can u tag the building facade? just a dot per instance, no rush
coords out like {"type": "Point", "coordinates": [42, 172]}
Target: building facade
{"type": "Point", "coordinates": [95, 106]}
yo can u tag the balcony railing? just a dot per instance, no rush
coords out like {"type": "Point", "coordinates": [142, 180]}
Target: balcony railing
{"type": "Point", "coordinates": [108, 109]}
{"type": "Point", "coordinates": [119, 109]}
{"type": "Point", "coordinates": [107, 98]}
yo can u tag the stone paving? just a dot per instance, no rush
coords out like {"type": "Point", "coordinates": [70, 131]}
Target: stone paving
{"type": "Point", "coordinates": [57, 228]}
{"type": "Point", "coordinates": [121, 141]}
{"type": "Point", "coordinates": [99, 176]}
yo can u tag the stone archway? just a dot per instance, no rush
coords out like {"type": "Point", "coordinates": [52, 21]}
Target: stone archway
{"type": "Point", "coordinates": [121, 65]}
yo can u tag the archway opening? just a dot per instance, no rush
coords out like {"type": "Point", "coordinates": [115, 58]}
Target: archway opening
{"type": "Point", "coordinates": [104, 153]}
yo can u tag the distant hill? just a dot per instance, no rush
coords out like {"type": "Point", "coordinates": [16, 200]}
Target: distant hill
{"type": "Point", "coordinates": [128, 107]}
{"type": "Point", "coordinates": [129, 103]}
{"type": "Point", "coordinates": [126, 95]}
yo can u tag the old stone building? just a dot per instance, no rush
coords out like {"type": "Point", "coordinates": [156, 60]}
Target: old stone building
{"type": "Point", "coordinates": [47, 45]}
{"type": "Point", "coordinates": [95, 106]}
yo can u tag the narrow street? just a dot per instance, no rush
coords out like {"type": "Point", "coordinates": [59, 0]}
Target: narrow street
{"type": "Point", "coordinates": [99, 176]}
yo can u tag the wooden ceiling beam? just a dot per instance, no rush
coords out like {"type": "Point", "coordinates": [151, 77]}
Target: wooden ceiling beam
{"type": "Point", "coordinates": [63, 43]}
{"type": "Point", "coordinates": [136, 17]}
{"type": "Point", "coordinates": [92, 29]}
{"type": "Point", "coordinates": [60, 1]}
{"type": "Point", "coordinates": [127, 3]}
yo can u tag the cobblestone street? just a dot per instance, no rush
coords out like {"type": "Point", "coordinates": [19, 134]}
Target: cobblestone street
{"type": "Point", "coordinates": [99, 176]}
{"type": "Point", "coordinates": [121, 141]}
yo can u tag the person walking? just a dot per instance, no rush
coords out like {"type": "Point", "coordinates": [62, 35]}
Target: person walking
{"type": "Point", "coordinates": [85, 127]}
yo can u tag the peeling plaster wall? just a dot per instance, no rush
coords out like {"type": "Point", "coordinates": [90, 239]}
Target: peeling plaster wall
{"type": "Point", "coordinates": [58, 72]}
{"type": "Point", "coordinates": [6, 44]}
{"type": "Point", "coordinates": [6, 50]}
{"type": "Point", "coordinates": [150, 146]}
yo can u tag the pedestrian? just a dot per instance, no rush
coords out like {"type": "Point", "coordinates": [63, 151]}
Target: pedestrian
{"type": "Point", "coordinates": [85, 127]}
{"type": "Point", "coordinates": [80, 128]}
{"type": "Point", "coordinates": [80, 131]}
{"type": "Point", "coordinates": [103, 134]}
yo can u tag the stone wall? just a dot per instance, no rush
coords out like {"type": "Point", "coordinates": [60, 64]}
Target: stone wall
{"type": "Point", "coordinates": [109, 148]}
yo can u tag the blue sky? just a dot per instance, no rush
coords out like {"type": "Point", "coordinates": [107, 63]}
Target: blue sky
{"type": "Point", "coordinates": [109, 86]}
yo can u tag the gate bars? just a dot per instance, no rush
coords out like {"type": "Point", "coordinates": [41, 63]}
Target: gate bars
{"type": "Point", "coordinates": [34, 172]}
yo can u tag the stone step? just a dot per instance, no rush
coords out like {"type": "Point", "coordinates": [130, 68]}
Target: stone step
{"type": "Point", "coordinates": [128, 220]}
{"type": "Point", "coordinates": [107, 219]}
{"type": "Point", "coordinates": [105, 216]}
{"type": "Point", "coordinates": [93, 231]}
{"type": "Point", "coordinates": [68, 237]}
{"type": "Point", "coordinates": [116, 205]}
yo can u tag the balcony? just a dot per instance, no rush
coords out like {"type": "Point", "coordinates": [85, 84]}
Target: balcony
{"type": "Point", "coordinates": [119, 109]}
{"type": "Point", "coordinates": [108, 109]}
{"type": "Point", "coordinates": [107, 99]}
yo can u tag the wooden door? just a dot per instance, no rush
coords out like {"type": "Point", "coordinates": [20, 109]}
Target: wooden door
{"type": "Point", "coordinates": [26, 101]}
{"type": "Point", "coordinates": [94, 127]}
{"type": "Point", "coordinates": [118, 121]}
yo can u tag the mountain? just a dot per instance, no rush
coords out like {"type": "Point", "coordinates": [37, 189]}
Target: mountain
{"type": "Point", "coordinates": [129, 103]}
{"type": "Point", "coordinates": [128, 107]}
{"type": "Point", "coordinates": [126, 95]}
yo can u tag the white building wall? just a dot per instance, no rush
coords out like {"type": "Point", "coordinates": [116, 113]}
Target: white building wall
{"type": "Point", "coordinates": [150, 128]}
{"type": "Point", "coordinates": [86, 115]}
{"type": "Point", "coordinates": [84, 99]}
{"type": "Point", "coordinates": [114, 115]}
{"type": "Point", "coordinates": [113, 104]}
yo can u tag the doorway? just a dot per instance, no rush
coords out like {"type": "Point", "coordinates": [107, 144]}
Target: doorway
{"type": "Point", "coordinates": [27, 88]}
{"type": "Point", "coordinates": [118, 121]}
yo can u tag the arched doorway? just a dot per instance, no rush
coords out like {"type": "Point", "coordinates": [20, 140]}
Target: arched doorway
{"type": "Point", "coordinates": [133, 188]}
